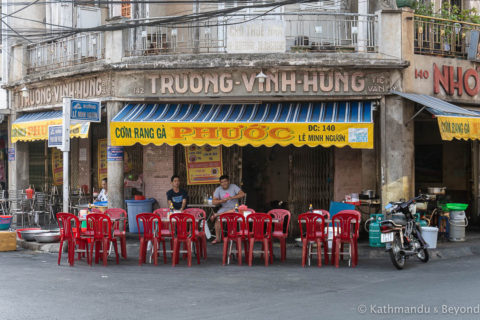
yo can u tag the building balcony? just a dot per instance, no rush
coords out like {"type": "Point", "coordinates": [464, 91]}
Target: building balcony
{"type": "Point", "coordinates": [442, 37]}
{"type": "Point", "coordinates": [270, 33]}
{"type": "Point", "coordinates": [66, 52]}
{"type": "Point", "coordinates": [236, 34]}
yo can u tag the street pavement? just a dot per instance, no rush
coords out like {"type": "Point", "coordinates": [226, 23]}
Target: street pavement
{"type": "Point", "coordinates": [34, 287]}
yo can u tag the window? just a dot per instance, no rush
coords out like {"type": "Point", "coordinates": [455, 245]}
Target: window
{"type": "Point", "coordinates": [126, 9]}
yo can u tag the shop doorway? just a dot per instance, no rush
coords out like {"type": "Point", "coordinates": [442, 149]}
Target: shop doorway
{"type": "Point", "coordinates": [440, 163]}
{"type": "Point", "coordinates": [266, 177]}
{"type": "Point", "coordinates": [296, 176]}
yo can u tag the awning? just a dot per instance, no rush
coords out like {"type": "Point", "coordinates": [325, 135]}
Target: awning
{"type": "Point", "coordinates": [313, 124]}
{"type": "Point", "coordinates": [453, 121]}
{"type": "Point", "coordinates": [34, 126]}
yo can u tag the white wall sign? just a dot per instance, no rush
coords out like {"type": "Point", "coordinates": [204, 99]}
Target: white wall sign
{"type": "Point", "coordinates": [256, 37]}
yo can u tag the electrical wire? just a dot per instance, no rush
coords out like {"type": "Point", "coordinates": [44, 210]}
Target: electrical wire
{"type": "Point", "coordinates": [167, 21]}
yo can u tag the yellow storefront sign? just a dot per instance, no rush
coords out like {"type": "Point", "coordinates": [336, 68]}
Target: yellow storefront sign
{"type": "Point", "coordinates": [38, 130]}
{"type": "Point", "coordinates": [461, 128]}
{"type": "Point", "coordinates": [355, 135]}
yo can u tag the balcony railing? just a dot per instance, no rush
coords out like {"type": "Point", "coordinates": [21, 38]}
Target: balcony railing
{"type": "Point", "coordinates": [435, 36]}
{"type": "Point", "coordinates": [77, 49]}
{"type": "Point", "coordinates": [300, 32]}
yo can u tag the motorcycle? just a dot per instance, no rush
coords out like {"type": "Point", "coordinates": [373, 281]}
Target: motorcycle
{"type": "Point", "coordinates": [401, 233]}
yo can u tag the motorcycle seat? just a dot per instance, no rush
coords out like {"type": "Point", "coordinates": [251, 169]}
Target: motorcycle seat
{"type": "Point", "coordinates": [399, 219]}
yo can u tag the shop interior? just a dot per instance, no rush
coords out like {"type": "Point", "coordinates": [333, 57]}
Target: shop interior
{"type": "Point", "coordinates": [440, 163]}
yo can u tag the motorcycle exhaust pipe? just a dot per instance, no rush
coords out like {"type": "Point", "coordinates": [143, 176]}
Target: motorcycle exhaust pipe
{"type": "Point", "coordinates": [407, 252]}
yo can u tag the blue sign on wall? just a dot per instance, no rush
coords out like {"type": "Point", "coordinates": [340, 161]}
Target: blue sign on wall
{"type": "Point", "coordinates": [82, 110]}
{"type": "Point", "coordinates": [114, 153]}
{"type": "Point", "coordinates": [55, 134]}
{"type": "Point", "coordinates": [11, 154]}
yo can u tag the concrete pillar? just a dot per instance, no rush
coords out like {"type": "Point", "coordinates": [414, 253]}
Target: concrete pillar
{"type": "Point", "coordinates": [475, 181]}
{"type": "Point", "coordinates": [397, 149]}
{"type": "Point", "coordinates": [18, 169]}
{"type": "Point", "coordinates": [18, 63]}
{"type": "Point", "coordinates": [362, 29]}
{"type": "Point", "coordinates": [114, 168]}
{"type": "Point", "coordinates": [114, 46]}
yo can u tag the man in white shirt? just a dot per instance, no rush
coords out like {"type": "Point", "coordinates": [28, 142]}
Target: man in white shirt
{"type": "Point", "coordinates": [103, 195]}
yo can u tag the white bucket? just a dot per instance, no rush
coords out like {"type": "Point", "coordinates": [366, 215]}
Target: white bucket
{"type": "Point", "coordinates": [430, 235]}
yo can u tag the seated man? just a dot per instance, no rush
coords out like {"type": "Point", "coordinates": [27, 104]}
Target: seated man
{"type": "Point", "coordinates": [227, 196]}
{"type": "Point", "coordinates": [176, 196]}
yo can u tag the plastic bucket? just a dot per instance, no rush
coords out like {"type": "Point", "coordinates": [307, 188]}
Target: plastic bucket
{"type": "Point", "coordinates": [430, 235]}
{"type": "Point", "coordinates": [135, 207]}
{"type": "Point", "coordinates": [5, 222]}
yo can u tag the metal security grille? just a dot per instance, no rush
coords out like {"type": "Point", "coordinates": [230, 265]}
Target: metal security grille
{"type": "Point", "coordinates": [133, 161]}
{"type": "Point", "coordinates": [311, 176]}
{"type": "Point", "coordinates": [74, 163]}
{"type": "Point", "coordinates": [36, 164]}
{"type": "Point", "coordinates": [97, 131]}
{"type": "Point", "coordinates": [232, 166]}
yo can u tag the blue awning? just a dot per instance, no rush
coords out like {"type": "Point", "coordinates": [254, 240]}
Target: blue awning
{"type": "Point", "coordinates": [304, 112]}
{"type": "Point", "coordinates": [39, 116]}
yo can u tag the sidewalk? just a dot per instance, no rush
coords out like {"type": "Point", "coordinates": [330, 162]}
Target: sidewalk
{"type": "Point", "coordinates": [445, 249]}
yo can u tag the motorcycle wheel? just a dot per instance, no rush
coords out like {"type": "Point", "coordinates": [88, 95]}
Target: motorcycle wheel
{"type": "Point", "coordinates": [423, 255]}
{"type": "Point", "coordinates": [397, 258]}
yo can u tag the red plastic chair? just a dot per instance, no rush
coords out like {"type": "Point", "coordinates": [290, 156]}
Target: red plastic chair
{"type": "Point", "coordinates": [261, 231]}
{"type": "Point", "coordinates": [119, 227]}
{"type": "Point", "coordinates": [150, 224]}
{"type": "Point", "coordinates": [343, 233]}
{"type": "Point", "coordinates": [165, 232]}
{"type": "Point", "coordinates": [99, 229]}
{"type": "Point", "coordinates": [314, 233]}
{"type": "Point", "coordinates": [278, 227]}
{"type": "Point", "coordinates": [235, 233]}
{"type": "Point", "coordinates": [183, 231]}
{"type": "Point", "coordinates": [200, 235]}
{"type": "Point", "coordinates": [359, 215]}
{"type": "Point", "coordinates": [71, 234]}
{"type": "Point", "coordinates": [326, 215]}
{"type": "Point", "coordinates": [323, 212]}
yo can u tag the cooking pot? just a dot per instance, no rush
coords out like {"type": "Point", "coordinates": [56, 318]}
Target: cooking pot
{"type": "Point", "coordinates": [436, 190]}
{"type": "Point", "coordinates": [48, 237]}
{"type": "Point", "coordinates": [369, 193]}
{"type": "Point", "coordinates": [29, 235]}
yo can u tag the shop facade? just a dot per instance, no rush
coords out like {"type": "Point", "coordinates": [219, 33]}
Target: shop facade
{"type": "Point", "coordinates": [300, 135]}
{"type": "Point", "coordinates": [297, 127]}
{"type": "Point", "coordinates": [446, 138]}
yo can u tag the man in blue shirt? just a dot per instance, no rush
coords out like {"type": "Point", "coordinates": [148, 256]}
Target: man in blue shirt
{"type": "Point", "coordinates": [176, 196]}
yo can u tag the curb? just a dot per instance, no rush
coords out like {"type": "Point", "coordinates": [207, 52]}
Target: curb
{"type": "Point", "coordinates": [40, 247]}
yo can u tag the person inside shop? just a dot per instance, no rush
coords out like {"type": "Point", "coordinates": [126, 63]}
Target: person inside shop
{"type": "Point", "coordinates": [176, 196]}
{"type": "Point", "coordinates": [226, 195]}
{"type": "Point", "coordinates": [103, 195]}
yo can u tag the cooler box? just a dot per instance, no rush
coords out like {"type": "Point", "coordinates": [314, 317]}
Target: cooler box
{"type": "Point", "coordinates": [135, 207]}
{"type": "Point", "coordinates": [8, 241]}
